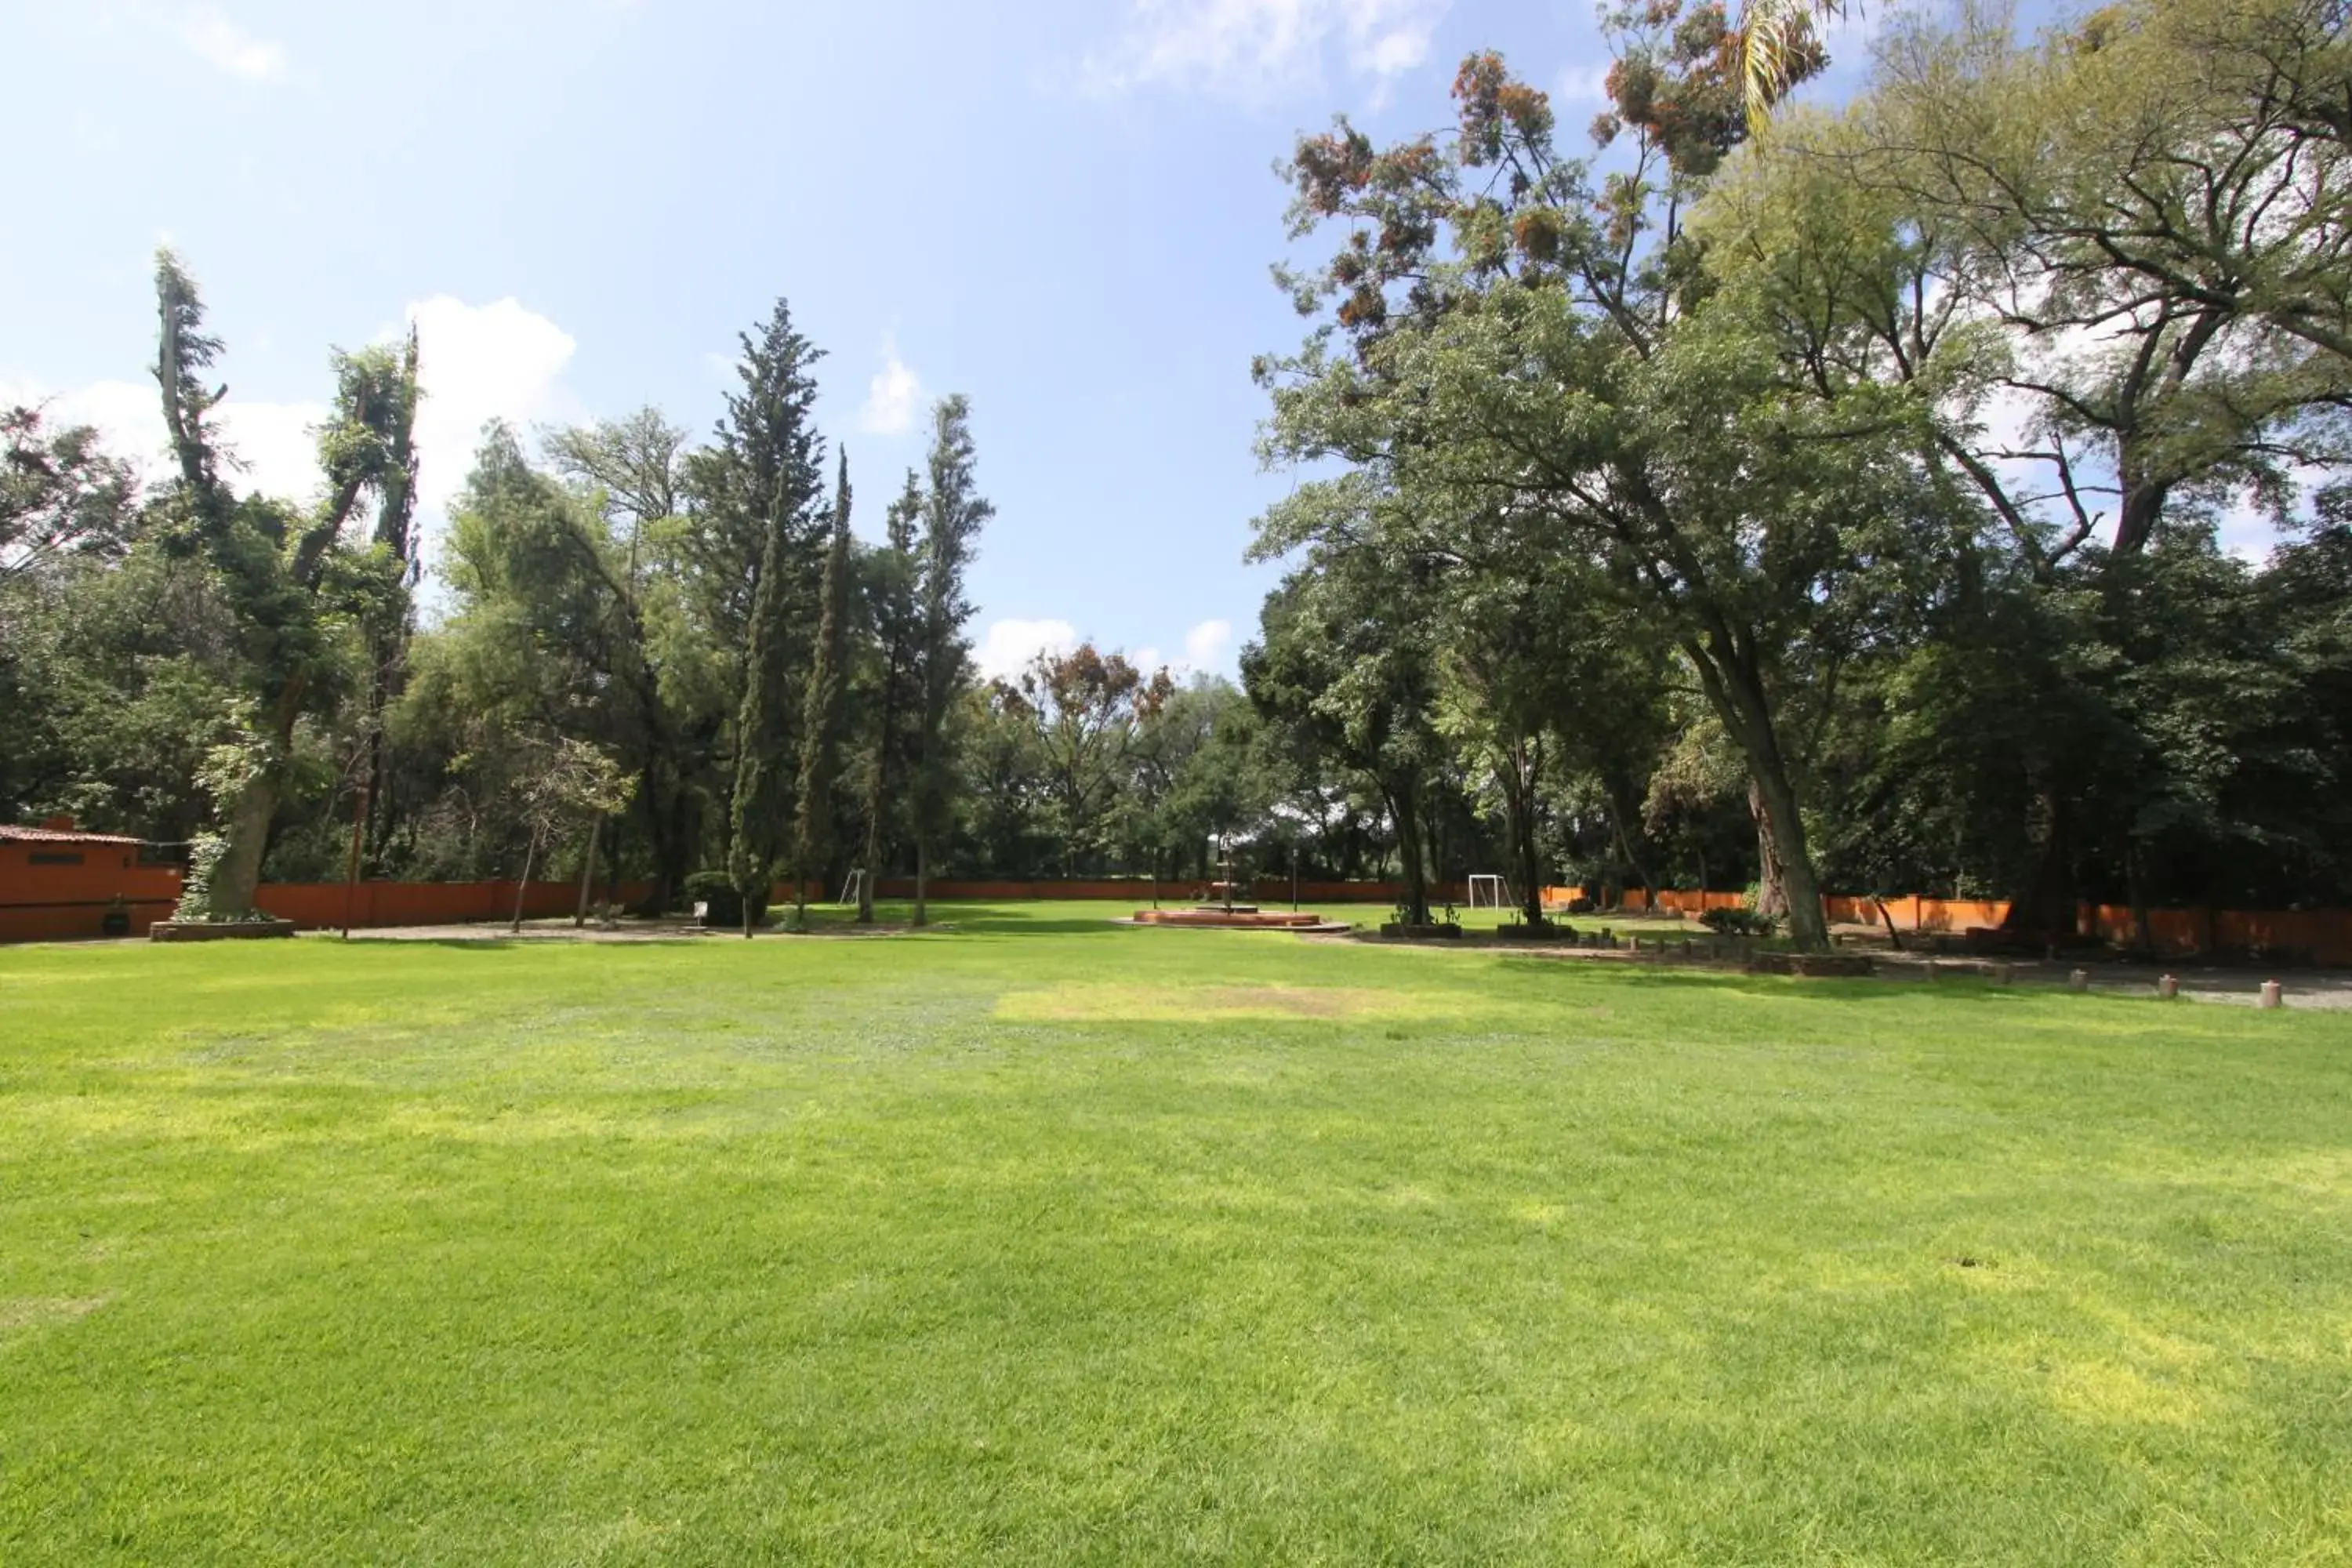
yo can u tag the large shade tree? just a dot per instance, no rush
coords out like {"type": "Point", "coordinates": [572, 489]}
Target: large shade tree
{"type": "Point", "coordinates": [300, 588]}
{"type": "Point", "coordinates": [1508, 335]}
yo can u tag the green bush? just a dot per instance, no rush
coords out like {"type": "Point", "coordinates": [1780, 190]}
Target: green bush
{"type": "Point", "coordinates": [722, 906]}
{"type": "Point", "coordinates": [1740, 923]}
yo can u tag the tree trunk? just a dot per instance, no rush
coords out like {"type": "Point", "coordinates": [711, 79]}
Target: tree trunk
{"type": "Point", "coordinates": [1519, 803]}
{"type": "Point", "coordinates": [1434, 839]}
{"type": "Point", "coordinates": [1402, 808]}
{"type": "Point", "coordinates": [1771, 876]}
{"type": "Point", "coordinates": [237, 877]}
{"type": "Point", "coordinates": [1624, 811]}
{"type": "Point", "coordinates": [377, 834]}
{"type": "Point", "coordinates": [1729, 669]}
{"type": "Point", "coordinates": [2044, 910]}
{"type": "Point", "coordinates": [1799, 889]}
{"type": "Point", "coordinates": [2135, 875]}
{"type": "Point", "coordinates": [664, 830]}
{"type": "Point", "coordinates": [873, 860]}
{"type": "Point", "coordinates": [588, 870]}
{"type": "Point", "coordinates": [522, 888]}
{"type": "Point", "coordinates": [922, 878]}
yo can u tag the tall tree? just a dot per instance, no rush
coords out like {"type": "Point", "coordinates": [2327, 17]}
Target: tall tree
{"type": "Point", "coordinates": [637, 466]}
{"type": "Point", "coordinates": [766, 464]}
{"type": "Point", "coordinates": [295, 585]}
{"type": "Point", "coordinates": [61, 494]}
{"type": "Point", "coordinates": [1346, 659]}
{"type": "Point", "coordinates": [2106, 278]}
{"type": "Point", "coordinates": [758, 487]}
{"type": "Point", "coordinates": [1083, 705]}
{"type": "Point", "coordinates": [547, 633]}
{"type": "Point", "coordinates": [896, 702]}
{"type": "Point", "coordinates": [380, 448]}
{"type": "Point", "coordinates": [1526, 344]}
{"type": "Point", "coordinates": [953, 514]}
{"type": "Point", "coordinates": [1193, 771]}
{"type": "Point", "coordinates": [821, 712]}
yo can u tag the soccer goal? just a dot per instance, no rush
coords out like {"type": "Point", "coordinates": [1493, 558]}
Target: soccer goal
{"type": "Point", "coordinates": [852, 887]}
{"type": "Point", "coordinates": [1492, 886]}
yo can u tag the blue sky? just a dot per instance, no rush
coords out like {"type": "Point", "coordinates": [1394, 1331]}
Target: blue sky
{"type": "Point", "coordinates": [1064, 210]}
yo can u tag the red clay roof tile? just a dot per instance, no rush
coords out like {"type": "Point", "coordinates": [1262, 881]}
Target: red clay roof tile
{"type": "Point", "coordinates": [11, 834]}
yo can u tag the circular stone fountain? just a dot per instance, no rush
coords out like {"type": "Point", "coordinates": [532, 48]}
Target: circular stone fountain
{"type": "Point", "coordinates": [1240, 917]}
{"type": "Point", "coordinates": [1221, 913]}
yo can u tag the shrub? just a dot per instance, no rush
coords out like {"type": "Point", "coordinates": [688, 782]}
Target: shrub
{"type": "Point", "coordinates": [1740, 923]}
{"type": "Point", "coordinates": [205, 852]}
{"type": "Point", "coordinates": [722, 906]}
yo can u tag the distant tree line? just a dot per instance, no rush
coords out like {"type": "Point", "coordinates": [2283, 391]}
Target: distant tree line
{"type": "Point", "coordinates": [1862, 479]}
{"type": "Point", "coordinates": [1832, 507]}
{"type": "Point", "coordinates": [752, 693]}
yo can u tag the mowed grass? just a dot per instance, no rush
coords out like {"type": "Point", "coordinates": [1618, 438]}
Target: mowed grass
{"type": "Point", "coordinates": [1044, 1241]}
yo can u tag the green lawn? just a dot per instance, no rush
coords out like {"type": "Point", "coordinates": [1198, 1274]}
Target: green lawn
{"type": "Point", "coordinates": [1043, 1241]}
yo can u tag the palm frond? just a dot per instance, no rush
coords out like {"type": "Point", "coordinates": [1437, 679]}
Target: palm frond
{"type": "Point", "coordinates": [1771, 34]}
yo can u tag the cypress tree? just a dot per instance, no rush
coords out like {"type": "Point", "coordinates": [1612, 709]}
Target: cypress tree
{"type": "Point", "coordinates": [769, 458]}
{"type": "Point", "coordinates": [821, 711]}
{"type": "Point", "coordinates": [954, 514]}
{"type": "Point", "coordinates": [897, 628]}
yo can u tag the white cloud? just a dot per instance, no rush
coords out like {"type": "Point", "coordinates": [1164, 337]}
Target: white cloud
{"type": "Point", "coordinates": [2245, 531]}
{"type": "Point", "coordinates": [1249, 49]}
{"type": "Point", "coordinates": [1146, 658]}
{"type": "Point", "coordinates": [477, 363]}
{"type": "Point", "coordinates": [891, 397]}
{"type": "Point", "coordinates": [1583, 83]}
{"type": "Point", "coordinates": [1007, 646]}
{"type": "Point", "coordinates": [1205, 644]}
{"type": "Point", "coordinates": [273, 444]}
{"type": "Point", "coordinates": [229, 47]}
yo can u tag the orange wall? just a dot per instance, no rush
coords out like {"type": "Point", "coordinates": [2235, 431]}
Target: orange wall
{"type": "Point", "coordinates": [2326, 934]}
{"type": "Point", "coordinates": [59, 903]}
{"type": "Point", "coordinates": [1179, 889]}
{"type": "Point", "coordinates": [55, 903]}
{"type": "Point", "coordinates": [319, 905]}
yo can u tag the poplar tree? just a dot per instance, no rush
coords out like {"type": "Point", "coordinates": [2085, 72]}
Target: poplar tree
{"type": "Point", "coordinates": [895, 591]}
{"type": "Point", "coordinates": [821, 710]}
{"type": "Point", "coordinates": [769, 458]}
{"type": "Point", "coordinates": [953, 514]}
{"type": "Point", "coordinates": [374, 380]}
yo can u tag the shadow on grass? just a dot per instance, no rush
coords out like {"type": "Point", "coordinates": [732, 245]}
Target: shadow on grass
{"type": "Point", "coordinates": [1879, 989]}
{"type": "Point", "coordinates": [506, 944]}
{"type": "Point", "coordinates": [1016, 925]}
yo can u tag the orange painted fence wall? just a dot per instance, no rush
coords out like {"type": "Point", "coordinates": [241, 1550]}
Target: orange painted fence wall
{"type": "Point", "coordinates": [2326, 934]}
{"type": "Point", "coordinates": [54, 902]}
{"type": "Point", "coordinates": [64, 903]}
{"type": "Point", "coordinates": [319, 905]}
{"type": "Point", "coordinates": [1269, 890]}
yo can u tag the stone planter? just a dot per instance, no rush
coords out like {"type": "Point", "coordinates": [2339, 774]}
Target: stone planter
{"type": "Point", "coordinates": [1417, 932]}
{"type": "Point", "coordinates": [1814, 966]}
{"type": "Point", "coordinates": [217, 931]}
